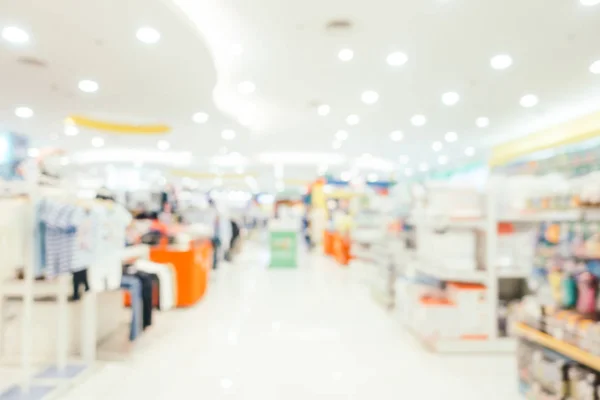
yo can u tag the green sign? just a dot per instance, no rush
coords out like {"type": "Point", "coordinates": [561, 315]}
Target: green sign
{"type": "Point", "coordinates": [284, 249]}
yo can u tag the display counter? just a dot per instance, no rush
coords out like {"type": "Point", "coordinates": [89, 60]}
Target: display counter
{"type": "Point", "coordinates": [192, 266]}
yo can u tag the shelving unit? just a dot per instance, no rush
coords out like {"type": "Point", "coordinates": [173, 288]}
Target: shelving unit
{"type": "Point", "coordinates": [559, 346]}
{"type": "Point", "coordinates": [490, 276]}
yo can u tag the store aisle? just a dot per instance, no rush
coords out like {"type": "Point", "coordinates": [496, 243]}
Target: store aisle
{"type": "Point", "coordinates": [310, 333]}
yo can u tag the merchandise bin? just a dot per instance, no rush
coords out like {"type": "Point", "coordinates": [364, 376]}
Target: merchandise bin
{"type": "Point", "coordinates": [328, 243]}
{"type": "Point", "coordinates": [192, 267]}
{"type": "Point", "coordinates": [341, 249]}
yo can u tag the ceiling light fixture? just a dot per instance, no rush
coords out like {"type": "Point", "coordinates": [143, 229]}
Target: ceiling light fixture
{"type": "Point", "coordinates": [396, 136]}
{"type": "Point", "coordinates": [24, 112]}
{"type": "Point", "coordinates": [418, 120]}
{"type": "Point", "coordinates": [437, 146]}
{"type": "Point", "coordinates": [396, 59]}
{"type": "Point", "coordinates": [369, 97]}
{"type": "Point", "coordinates": [501, 61]}
{"type": "Point", "coordinates": [403, 159]}
{"type": "Point", "coordinates": [163, 145]}
{"type": "Point", "coordinates": [228, 134]}
{"type": "Point", "coordinates": [71, 130]}
{"type": "Point", "coordinates": [352, 119]}
{"type": "Point", "coordinates": [341, 135]}
{"type": "Point", "coordinates": [88, 86]}
{"type": "Point", "coordinates": [372, 177]}
{"type": "Point", "coordinates": [595, 67]}
{"type": "Point", "coordinates": [148, 35]}
{"type": "Point", "coordinates": [15, 35]}
{"type": "Point", "coordinates": [33, 152]}
{"type": "Point", "coordinates": [323, 110]}
{"type": "Point", "coordinates": [442, 160]}
{"type": "Point", "coordinates": [346, 54]}
{"type": "Point", "coordinates": [470, 151]}
{"type": "Point", "coordinates": [482, 122]}
{"type": "Point", "coordinates": [423, 167]}
{"type": "Point", "coordinates": [451, 137]}
{"type": "Point", "coordinates": [97, 142]}
{"type": "Point", "coordinates": [529, 100]}
{"type": "Point", "coordinates": [200, 117]}
{"type": "Point", "coordinates": [450, 98]}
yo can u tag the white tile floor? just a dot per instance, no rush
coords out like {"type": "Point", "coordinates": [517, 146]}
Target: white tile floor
{"type": "Point", "coordinates": [309, 333]}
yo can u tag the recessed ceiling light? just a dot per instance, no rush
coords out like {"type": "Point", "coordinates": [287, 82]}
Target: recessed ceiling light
{"type": "Point", "coordinates": [451, 137]}
{"type": "Point", "coordinates": [323, 110]}
{"type": "Point", "coordinates": [246, 87]}
{"type": "Point", "coordinates": [352, 119]}
{"type": "Point", "coordinates": [346, 54]}
{"type": "Point", "coordinates": [595, 67]}
{"type": "Point", "coordinates": [71, 130]}
{"type": "Point", "coordinates": [33, 152]}
{"type": "Point", "coordinates": [437, 146]}
{"type": "Point", "coordinates": [450, 98]}
{"type": "Point", "coordinates": [423, 167]}
{"type": "Point", "coordinates": [148, 35]}
{"type": "Point", "coordinates": [418, 120]}
{"type": "Point", "coordinates": [336, 145]}
{"type": "Point", "coordinates": [228, 134]}
{"type": "Point", "coordinates": [482, 122]}
{"type": "Point", "coordinates": [403, 159]}
{"type": "Point", "coordinates": [442, 160]}
{"type": "Point", "coordinates": [163, 145]}
{"type": "Point", "coordinates": [529, 100]}
{"type": "Point", "coordinates": [369, 97]}
{"type": "Point", "coordinates": [501, 61]}
{"type": "Point", "coordinates": [24, 112]}
{"type": "Point", "coordinates": [396, 136]}
{"type": "Point", "coordinates": [470, 151]}
{"type": "Point", "coordinates": [226, 383]}
{"type": "Point", "coordinates": [396, 59]}
{"type": "Point", "coordinates": [15, 35]}
{"type": "Point", "coordinates": [97, 142]}
{"type": "Point", "coordinates": [590, 2]}
{"type": "Point", "coordinates": [200, 117]}
{"type": "Point", "coordinates": [341, 135]}
{"type": "Point", "coordinates": [408, 172]}
{"type": "Point", "coordinates": [88, 86]}
{"type": "Point", "coordinates": [372, 177]}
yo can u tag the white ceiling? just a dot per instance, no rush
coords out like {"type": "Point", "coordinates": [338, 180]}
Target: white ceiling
{"type": "Point", "coordinates": [209, 47]}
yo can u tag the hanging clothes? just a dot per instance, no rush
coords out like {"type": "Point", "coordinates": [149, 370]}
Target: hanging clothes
{"type": "Point", "coordinates": [166, 278]}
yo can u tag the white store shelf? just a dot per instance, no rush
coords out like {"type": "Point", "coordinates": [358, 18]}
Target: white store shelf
{"type": "Point", "coordinates": [457, 346]}
{"type": "Point", "coordinates": [555, 215]}
{"type": "Point", "coordinates": [447, 274]}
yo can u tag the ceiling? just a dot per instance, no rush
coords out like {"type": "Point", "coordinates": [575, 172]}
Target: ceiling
{"type": "Point", "coordinates": [285, 49]}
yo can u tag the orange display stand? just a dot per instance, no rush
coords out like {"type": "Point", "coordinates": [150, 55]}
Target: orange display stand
{"type": "Point", "coordinates": [192, 267]}
{"type": "Point", "coordinates": [341, 249]}
{"type": "Point", "coordinates": [328, 243]}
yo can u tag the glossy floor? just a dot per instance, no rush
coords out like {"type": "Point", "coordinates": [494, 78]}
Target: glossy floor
{"type": "Point", "coordinates": [307, 333]}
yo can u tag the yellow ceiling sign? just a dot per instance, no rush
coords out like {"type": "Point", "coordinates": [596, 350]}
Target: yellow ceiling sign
{"type": "Point", "coordinates": [571, 132]}
{"type": "Point", "coordinates": [115, 128]}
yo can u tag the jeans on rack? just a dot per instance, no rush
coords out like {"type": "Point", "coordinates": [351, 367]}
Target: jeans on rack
{"type": "Point", "coordinates": [134, 286]}
{"type": "Point", "coordinates": [146, 283]}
